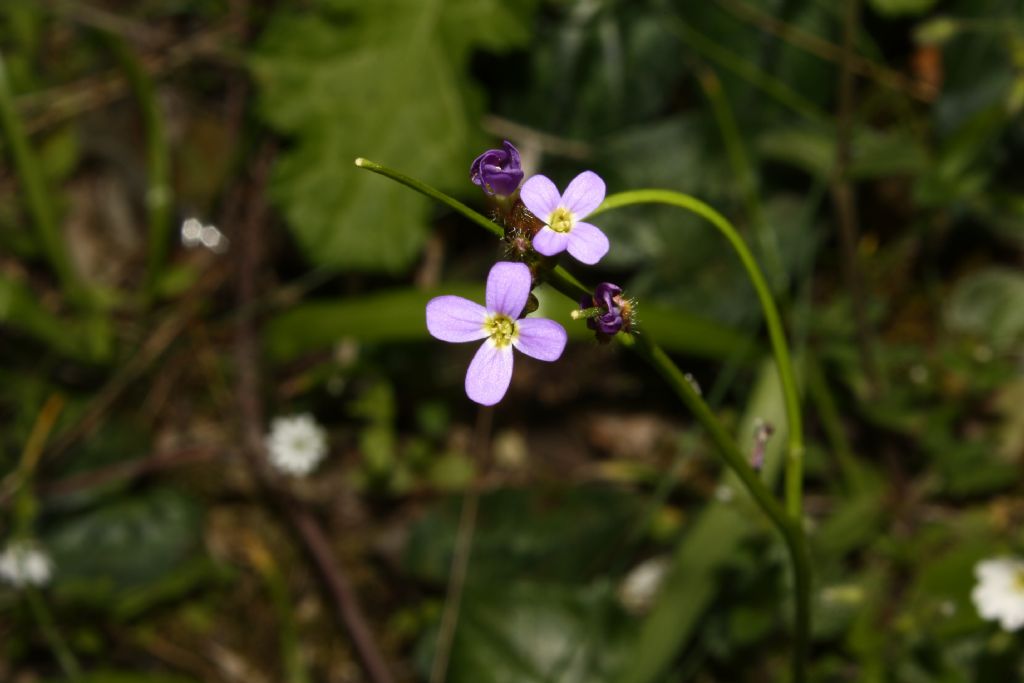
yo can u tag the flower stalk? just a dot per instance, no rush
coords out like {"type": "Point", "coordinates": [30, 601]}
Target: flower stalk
{"type": "Point", "coordinates": [776, 333]}
{"type": "Point", "coordinates": [786, 520]}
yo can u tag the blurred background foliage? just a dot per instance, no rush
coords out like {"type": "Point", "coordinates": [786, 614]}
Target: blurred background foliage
{"type": "Point", "coordinates": [121, 447]}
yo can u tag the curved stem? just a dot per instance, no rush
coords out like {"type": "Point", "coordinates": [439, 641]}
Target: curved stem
{"type": "Point", "coordinates": [789, 525]}
{"type": "Point", "coordinates": [795, 439]}
{"type": "Point", "coordinates": [790, 528]}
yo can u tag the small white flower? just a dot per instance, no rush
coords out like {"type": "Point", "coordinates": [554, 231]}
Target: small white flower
{"type": "Point", "coordinates": [25, 563]}
{"type": "Point", "coordinates": [195, 234]}
{"type": "Point", "coordinates": [999, 594]}
{"type": "Point", "coordinates": [639, 589]}
{"type": "Point", "coordinates": [296, 444]}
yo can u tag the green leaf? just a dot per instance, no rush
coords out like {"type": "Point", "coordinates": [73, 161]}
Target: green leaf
{"type": "Point", "coordinates": [129, 543]}
{"type": "Point", "coordinates": [89, 338]}
{"type": "Point", "coordinates": [526, 633]}
{"type": "Point", "coordinates": [901, 8]}
{"type": "Point", "coordinates": [386, 80]}
{"type": "Point", "coordinates": [560, 536]}
{"type": "Point", "coordinates": [989, 304]}
{"type": "Point", "coordinates": [875, 153]}
{"type": "Point", "coordinates": [397, 316]}
{"type": "Point", "coordinates": [126, 677]}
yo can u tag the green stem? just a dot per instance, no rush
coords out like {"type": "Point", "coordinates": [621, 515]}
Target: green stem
{"type": "Point", "coordinates": [65, 657]}
{"type": "Point", "coordinates": [788, 525]}
{"type": "Point", "coordinates": [776, 333]}
{"type": "Point", "coordinates": [425, 189]}
{"type": "Point", "coordinates": [559, 277]}
{"type": "Point", "coordinates": [790, 528]}
{"type": "Point", "coordinates": [37, 195]}
{"type": "Point", "coordinates": [158, 161]}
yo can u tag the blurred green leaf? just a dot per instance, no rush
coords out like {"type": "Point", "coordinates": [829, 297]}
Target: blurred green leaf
{"type": "Point", "coordinates": [124, 544]}
{"type": "Point", "coordinates": [965, 160]}
{"type": "Point", "coordinates": [59, 153]}
{"type": "Point", "coordinates": [451, 471]}
{"type": "Point", "coordinates": [175, 586]}
{"type": "Point", "coordinates": [936, 31]}
{"type": "Point", "coordinates": [990, 305]}
{"type": "Point", "coordinates": [533, 633]}
{"type": "Point", "coordinates": [560, 535]}
{"type": "Point", "coordinates": [126, 677]}
{"type": "Point", "coordinates": [88, 338]}
{"type": "Point", "coordinates": [875, 153]}
{"type": "Point", "coordinates": [384, 80]}
{"type": "Point", "coordinates": [901, 8]}
{"type": "Point", "coordinates": [398, 316]}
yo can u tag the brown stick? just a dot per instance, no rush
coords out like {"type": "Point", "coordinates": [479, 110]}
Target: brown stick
{"type": "Point", "coordinates": [463, 548]}
{"type": "Point", "coordinates": [845, 199]}
{"type": "Point", "coordinates": [251, 415]}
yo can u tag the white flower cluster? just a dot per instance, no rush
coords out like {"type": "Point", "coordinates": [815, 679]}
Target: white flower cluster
{"type": "Point", "coordinates": [24, 563]}
{"type": "Point", "coordinates": [999, 594]}
{"type": "Point", "coordinates": [195, 234]}
{"type": "Point", "coordinates": [296, 444]}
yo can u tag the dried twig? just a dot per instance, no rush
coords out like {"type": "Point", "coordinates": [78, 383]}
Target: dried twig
{"type": "Point", "coordinates": [461, 553]}
{"type": "Point", "coordinates": [845, 200]}
{"type": "Point", "coordinates": [251, 415]}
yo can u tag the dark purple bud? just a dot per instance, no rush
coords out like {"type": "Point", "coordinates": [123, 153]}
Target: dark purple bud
{"type": "Point", "coordinates": [498, 171]}
{"type": "Point", "coordinates": [604, 295]}
{"type": "Point", "coordinates": [613, 312]}
{"type": "Point", "coordinates": [608, 323]}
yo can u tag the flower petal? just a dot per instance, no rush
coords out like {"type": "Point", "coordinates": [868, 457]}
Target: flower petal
{"type": "Point", "coordinates": [540, 196]}
{"type": "Point", "coordinates": [541, 338]}
{"type": "Point", "coordinates": [508, 287]}
{"type": "Point", "coordinates": [548, 242]}
{"type": "Point", "coordinates": [489, 374]}
{"type": "Point", "coordinates": [584, 194]}
{"type": "Point", "coordinates": [454, 319]}
{"type": "Point", "coordinates": [587, 243]}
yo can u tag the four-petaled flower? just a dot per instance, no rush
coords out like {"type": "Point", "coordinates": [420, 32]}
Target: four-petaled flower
{"type": "Point", "coordinates": [498, 171]}
{"type": "Point", "coordinates": [562, 214]}
{"type": "Point", "coordinates": [454, 319]}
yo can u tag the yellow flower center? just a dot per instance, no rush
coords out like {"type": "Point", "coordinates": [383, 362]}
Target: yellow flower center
{"type": "Point", "coordinates": [1018, 581]}
{"type": "Point", "coordinates": [501, 329]}
{"type": "Point", "coordinates": [561, 220]}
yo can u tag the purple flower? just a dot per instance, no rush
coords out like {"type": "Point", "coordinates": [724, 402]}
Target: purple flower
{"type": "Point", "coordinates": [607, 297]}
{"type": "Point", "coordinates": [498, 171]}
{"type": "Point", "coordinates": [454, 319]}
{"type": "Point", "coordinates": [562, 215]}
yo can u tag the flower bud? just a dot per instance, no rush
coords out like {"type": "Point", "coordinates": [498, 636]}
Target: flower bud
{"type": "Point", "coordinates": [498, 171]}
{"type": "Point", "coordinates": [607, 311]}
